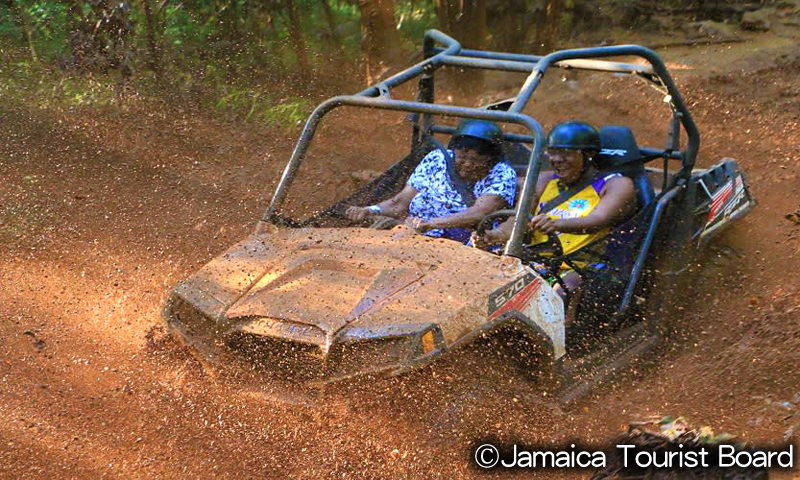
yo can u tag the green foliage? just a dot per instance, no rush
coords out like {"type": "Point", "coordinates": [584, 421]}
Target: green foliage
{"type": "Point", "coordinates": [288, 114]}
{"type": "Point", "coordinates": [77, 91]}
{"type": "Point", "coordinates": [8, 28]}
{"type": "Point", "coordinates": [182, 28]}
{"type": "Point", "coordinates": [252, 105]}
{"type": "Point", "coordinates": [44, 21]}
{"type": "Point", "coordinates": [239, 33]}
{"type": "Point", "coordinates": [224, 55]}
{"type": "Point", "coordinates": [48, 18]}
{"type": "Point", "coordinates": [413, 19]}
{"type": "Point", "coordinates": [240, 100]}
{"type": "Point", "coordinates": [33, 84]}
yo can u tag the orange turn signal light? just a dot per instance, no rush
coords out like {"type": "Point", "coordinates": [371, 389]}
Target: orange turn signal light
{"type": "Point", "coordinates": [428, 343]}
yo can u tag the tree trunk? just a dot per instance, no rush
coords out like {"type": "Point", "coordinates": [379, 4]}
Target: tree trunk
{"type": "Point", "coordinates": [508, 26]}
{"type": "Point", "coordinates": [153, 54]}
{"type": "Point", "coordinates": [475, 16]}
{"type": "Point", "coordinates": [75, 19]}
{"type": "Point", "coordinates": [273, 54]}
{"type": "Point", "coordinates": [548, 24]}
{"type": "Point", "coordinates": [296, 38]}
{"type": "Point", "coordinates": [465, 20]}
{"type": "Point", "coordinates": [22, 20]}
{"type": "Point", "coordinates": [333, 30]}
{"type": "Point", "coordinates": [380, 40]}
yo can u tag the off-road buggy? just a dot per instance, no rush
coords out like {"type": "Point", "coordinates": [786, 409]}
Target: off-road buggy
{"type": "Point", "coordinates": [349, 300]}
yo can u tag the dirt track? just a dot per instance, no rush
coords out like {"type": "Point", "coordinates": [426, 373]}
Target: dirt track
{"type": "Point", "coordinates": [102, 212]}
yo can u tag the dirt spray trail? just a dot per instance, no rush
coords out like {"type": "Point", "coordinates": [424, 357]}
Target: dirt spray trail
{"type": "Point", "coordinates": [103, 212]}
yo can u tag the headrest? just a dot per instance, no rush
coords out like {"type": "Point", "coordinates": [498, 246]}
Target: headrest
{"type": "Point", "coordinates": [618, 147]}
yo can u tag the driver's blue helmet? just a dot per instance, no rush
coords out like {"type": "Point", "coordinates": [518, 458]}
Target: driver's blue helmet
{"type": "Point", "coordinates": [574, 135]}
{"type": "Point", "coordinates": [483, 129]}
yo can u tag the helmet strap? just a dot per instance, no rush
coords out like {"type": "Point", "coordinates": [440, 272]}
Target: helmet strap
{"type": "Point", "coordinates": [588, 159]}
{"type": "Point", "coordinates": [588, 162]}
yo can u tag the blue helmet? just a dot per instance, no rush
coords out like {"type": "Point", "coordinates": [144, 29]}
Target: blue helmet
{"type": "Point", "coordinates": [487, 131]}
{"type": "Point", "coordinates": [574, 135]}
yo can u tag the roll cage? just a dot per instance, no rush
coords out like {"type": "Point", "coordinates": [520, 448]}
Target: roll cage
{"type": "Point", "coordinates": [441, 50]}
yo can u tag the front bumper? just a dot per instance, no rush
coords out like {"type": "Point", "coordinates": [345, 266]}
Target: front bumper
{"type": "Point", "coordinates": [304, 351]}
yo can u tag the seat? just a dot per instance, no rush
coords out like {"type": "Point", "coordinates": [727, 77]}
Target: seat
{"type": "Point", "coordinates": [620, 153]}
{"type": "Point", "coordinates": [604, 287]}
{"type": "Point", "coordinates": [518, 156]}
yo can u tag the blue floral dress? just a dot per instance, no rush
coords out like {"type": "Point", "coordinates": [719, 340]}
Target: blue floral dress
{"type": "Point", "coordinates": [437, 197]}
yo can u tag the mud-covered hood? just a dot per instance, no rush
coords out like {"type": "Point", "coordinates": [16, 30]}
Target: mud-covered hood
{"type": "Point", "coordinates": [329, 279]}
{"type": "Point", "coordinates": [319, 286]}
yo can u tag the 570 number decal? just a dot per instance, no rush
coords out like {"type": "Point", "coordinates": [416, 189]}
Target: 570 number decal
{"type": "Point", "coordinates": [513, 296]}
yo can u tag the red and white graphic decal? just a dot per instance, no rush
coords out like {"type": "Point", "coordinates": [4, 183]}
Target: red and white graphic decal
{"type": "Point", "coordinates": [720, 198]}
{"type": "Point", "coordinates": [514, 296]}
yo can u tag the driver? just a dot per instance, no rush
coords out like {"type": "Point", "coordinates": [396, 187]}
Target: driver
{"type": "Point", "coordinates": [576, 203]}
{"type": "Point", "coordinates": [451, 190]}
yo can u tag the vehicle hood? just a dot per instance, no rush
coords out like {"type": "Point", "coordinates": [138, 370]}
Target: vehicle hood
{"type": "Point", "coordinates": [330, 279]}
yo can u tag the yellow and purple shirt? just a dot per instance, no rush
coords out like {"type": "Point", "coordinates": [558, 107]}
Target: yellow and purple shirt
{"type": "Point", "coordinates": [579, 205]}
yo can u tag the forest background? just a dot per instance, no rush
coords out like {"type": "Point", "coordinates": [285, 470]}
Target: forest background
{"type": "Point", "coordinates": [267, 60]}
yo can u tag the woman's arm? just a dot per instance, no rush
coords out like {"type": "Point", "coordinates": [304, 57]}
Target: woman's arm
{"type": "Point", "coordinates": [496, 236]}
{"type": "Point", "coordinates": [502, 233]}
{"type": "Point", "coordinates": [397, 206]}
{"type": "Point", "coordinates": [617, 201]}
{"type": "Point", "coordinates": [484, 205]}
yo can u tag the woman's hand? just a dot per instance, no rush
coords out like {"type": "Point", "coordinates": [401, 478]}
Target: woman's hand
{"type": "Point", "coordinates": [489, 238]}
{"type": "Point", "coordinates": [543, 223]}
{"type": "Point", "coordinates": [358, 214]}
{"type": "Point", "coordinates": [417, 224]}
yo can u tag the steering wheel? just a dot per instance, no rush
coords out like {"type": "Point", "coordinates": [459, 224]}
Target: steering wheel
{"type": "Point", "coordinates": [548, 254]}
{"type": "Point", "coordinates": [382, 222]}
{"type": "Point", "coordinates": [488, 220]}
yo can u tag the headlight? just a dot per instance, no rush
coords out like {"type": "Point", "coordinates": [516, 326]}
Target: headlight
{"type": "Point", "coordinates": [361, 350]}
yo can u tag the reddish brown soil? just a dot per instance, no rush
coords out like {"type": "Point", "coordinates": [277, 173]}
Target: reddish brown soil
{"type": "Point", "coordinates": [104, 210]}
